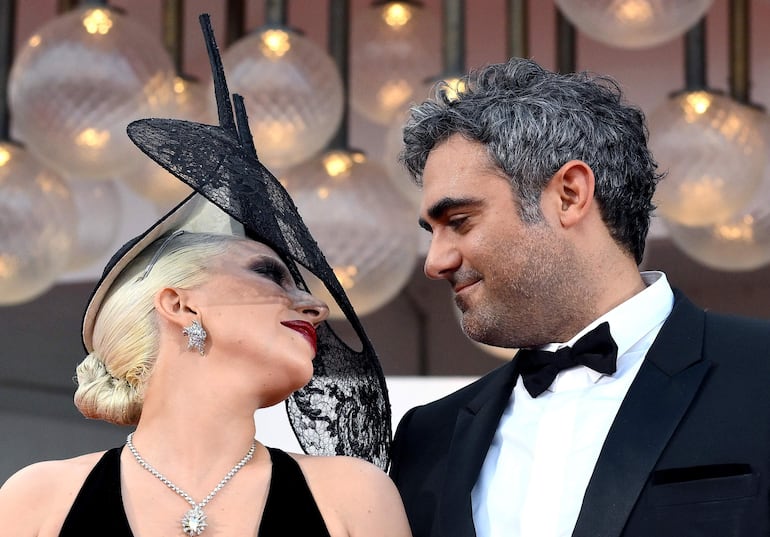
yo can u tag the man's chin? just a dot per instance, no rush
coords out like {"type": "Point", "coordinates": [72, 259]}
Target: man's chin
{"type": "Point", "coordinates": [473, 329]}
{"type": "Point", "coordinates": [482, 332]}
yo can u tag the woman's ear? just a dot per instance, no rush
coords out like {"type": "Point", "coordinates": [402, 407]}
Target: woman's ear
{"type": "Point", "coordinates": [572, 187]}
{"type": "Point", "coordinates": [172, 304]}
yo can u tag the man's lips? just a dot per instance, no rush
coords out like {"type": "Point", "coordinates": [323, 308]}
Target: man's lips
{"type": "Point", "coordinates": [464, 285]}
{"type": "Point", "coordinates": [304, 328]}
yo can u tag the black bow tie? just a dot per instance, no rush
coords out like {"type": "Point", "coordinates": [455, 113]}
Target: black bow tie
{"type": "Point", "coordinates": [596, 350]}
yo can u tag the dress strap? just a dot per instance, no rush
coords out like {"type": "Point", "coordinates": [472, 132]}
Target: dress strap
{"type": "Point", "coordinates": [99, 502]}
{"type": "Point", "coordinates": [290, 508]}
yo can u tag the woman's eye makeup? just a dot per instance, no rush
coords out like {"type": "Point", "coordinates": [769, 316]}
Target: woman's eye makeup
{"type": "Point", "coordinates": [272, 269]}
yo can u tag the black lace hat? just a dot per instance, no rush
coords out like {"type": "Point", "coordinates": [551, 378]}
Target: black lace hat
{"type": "Point", "coordinates": [344, 410]}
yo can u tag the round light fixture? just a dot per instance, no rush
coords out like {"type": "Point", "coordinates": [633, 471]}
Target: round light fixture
{"type": "Point", "coordinates": [37, 226]}
{"type": "Point", "coordinates": [713, 150]}
{"type": "Point", "coordinates": [292, 90]}
{"type": "Point", "coordinates": [77, 83]}
{"type": "Point", "coordinates": [633, 23]}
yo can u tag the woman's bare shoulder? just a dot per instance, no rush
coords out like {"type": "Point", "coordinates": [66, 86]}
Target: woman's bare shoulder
{"type": "Point", "coordinates": [36, 499]}
{"type": "Point", "coordinates": [360, 492]}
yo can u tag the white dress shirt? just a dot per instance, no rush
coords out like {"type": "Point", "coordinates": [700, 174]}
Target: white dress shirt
{"type": "Point", "coordinates": [544, 451]}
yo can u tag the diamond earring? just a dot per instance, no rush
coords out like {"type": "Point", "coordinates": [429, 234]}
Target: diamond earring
{"type": "Point", "coordinates": [196, 336]}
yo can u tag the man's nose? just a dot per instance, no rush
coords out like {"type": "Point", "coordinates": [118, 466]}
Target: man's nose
{"type": "Point", "coordinates": [443, 259]}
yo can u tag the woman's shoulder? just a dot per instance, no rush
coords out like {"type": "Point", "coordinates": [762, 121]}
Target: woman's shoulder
{"type": "Point", "coordinates": [52, 472]}
{"type": "Point", "coordinates": [340, 465]}
{"type": "Point", "coordinates": [346, 476]}
{"type": "Point", "coordinates": [33, 499]}
{"type": "Point", "coordinates": [362, 493]}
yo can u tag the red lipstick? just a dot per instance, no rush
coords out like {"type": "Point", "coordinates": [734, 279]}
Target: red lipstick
{"type": "Point", "coordinates": [304, 328]}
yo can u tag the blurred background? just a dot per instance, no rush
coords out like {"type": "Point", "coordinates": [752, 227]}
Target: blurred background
{"type": "Point", "coordinates": [326, 85]}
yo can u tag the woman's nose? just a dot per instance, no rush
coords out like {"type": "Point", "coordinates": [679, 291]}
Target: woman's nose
{"type": "Point", "coordinates": [308, 305]}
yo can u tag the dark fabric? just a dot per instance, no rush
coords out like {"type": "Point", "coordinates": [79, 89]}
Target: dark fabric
{"type": "Point", "coordinates": [687, 455]}
{"type": "Point", "coordinates": [289, 508]}
{"type": "Point", "coordinates": [98, 506]}
{"type": "Point", "coordinates": [595, 349]}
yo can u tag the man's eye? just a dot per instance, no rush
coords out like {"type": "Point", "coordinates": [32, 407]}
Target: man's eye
{"type": "Point", "coordinates": [457, 221]}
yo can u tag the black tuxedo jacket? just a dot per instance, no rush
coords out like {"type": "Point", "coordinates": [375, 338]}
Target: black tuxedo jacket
{"type": "Point", "coordinates": [688, 453]}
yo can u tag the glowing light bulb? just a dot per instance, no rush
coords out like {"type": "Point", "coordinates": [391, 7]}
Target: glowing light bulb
{"type": "Point", "coordinates": [346, 276]}
{"type": "Point", "coordinates": [634, 11]}
{"type": "Point", "coordinates": [453, 88]}
{"type": "Point", "coordinates": [397, 15]}
{"type": "Point", "coordinates": [97, 21]}
{"type": "Point", "coordinates": [277, 43]}
{"type": "Point", "coordinates": [696, 104]}
{"type": "Point", "coordinates": [337, 163]}
{"type": "Point", "coordinates": [93, 138]}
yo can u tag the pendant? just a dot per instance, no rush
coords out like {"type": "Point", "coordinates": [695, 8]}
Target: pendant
{"type": "Point", "coordinates": [194, 521]}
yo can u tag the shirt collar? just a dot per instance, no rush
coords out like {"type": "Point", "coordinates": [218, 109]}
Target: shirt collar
{"type": "Point", "coordinates": [633, 319]}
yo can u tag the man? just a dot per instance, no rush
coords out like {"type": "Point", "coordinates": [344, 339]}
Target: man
{"type": "Point", "coordinates": [653, 419]}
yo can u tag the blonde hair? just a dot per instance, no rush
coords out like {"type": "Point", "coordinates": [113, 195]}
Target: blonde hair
{"type": "Point", "coordinates": [111, 379]}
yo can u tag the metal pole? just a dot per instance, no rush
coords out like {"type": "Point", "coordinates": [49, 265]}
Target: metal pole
{"type": "Point", "coordinates": [565, 44]}
{"type": "Point", "coordinates": [695, 57]}
{"type": "Point", "coordinates": [275, 13]}
{"type": "Point", "coordinates": [173, 39]}
{"type": "Point", "coordinates": [62, 6]}
{"type": "Point", "coordinates": [739, 50]}
{"type": "Point", "coordinates": [339, 32]}
{"type": "Point", "coordinates": [7, 27]}
{"type": "Point", "coordinates": [518, 36]}
{"type": "Point", "coordinates": [454, 37]}
{"type": "Point", "coordinates": [235, 27]}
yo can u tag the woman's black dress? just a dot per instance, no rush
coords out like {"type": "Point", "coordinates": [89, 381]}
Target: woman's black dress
{"type": "Point", "coordinates": [289, 510]}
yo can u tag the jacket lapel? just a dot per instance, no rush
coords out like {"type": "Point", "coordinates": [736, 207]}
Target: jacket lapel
{"type": "Point", "coordinates": [665, 386]}
{"type": "Point", "coordinates": [474, 429]}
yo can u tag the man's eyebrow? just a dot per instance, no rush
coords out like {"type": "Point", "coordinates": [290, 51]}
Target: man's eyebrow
{"type": "Point", "coordinates": [442, 206]}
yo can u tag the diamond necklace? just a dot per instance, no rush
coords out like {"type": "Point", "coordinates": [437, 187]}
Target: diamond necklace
{"type": "Point", "coordinates": [194, 521]}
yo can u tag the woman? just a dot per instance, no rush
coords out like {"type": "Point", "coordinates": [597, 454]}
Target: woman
{"type": "Point", "coordinates": [194, 326]}
{"type": "Point", "coordinates": [194, 405]}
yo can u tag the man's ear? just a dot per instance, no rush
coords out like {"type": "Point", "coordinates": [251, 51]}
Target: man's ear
{"type": "Point", "coordinates": [572, 188]}
{"type": "Point", "coordinates": [174, 306]}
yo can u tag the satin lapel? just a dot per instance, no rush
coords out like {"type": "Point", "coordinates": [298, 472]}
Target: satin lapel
{"type": "Point", "coordinates": [475, 426]}
{"type": "Point", "coordinates": [655, 404]}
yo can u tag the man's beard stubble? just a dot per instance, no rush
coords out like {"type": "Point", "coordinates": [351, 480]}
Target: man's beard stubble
{"type": "Point", "coordinates": [545, 303]}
